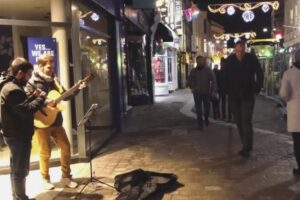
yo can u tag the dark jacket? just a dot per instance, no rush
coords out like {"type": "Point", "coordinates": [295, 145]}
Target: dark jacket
{"type": "Point", "coordinates": [243, 78]}
{"type": "Point", "coordinates": [202, 80]}
{"type": "Point", "coordinates": [17, 111]}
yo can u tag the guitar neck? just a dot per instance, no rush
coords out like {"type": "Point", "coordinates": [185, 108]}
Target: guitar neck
{"type": "Point", "coordinates": [73, 89]}
{"type": "Point", "coordinates": [67, 93]}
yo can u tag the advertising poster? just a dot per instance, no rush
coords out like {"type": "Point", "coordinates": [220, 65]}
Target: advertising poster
{"type": "Point", "coordinates": [38, 46]}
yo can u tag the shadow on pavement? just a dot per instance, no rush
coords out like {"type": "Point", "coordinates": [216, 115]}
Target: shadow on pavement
{"type": "Point", "coordinates": [83, 196]}
{"type": "Point", "coordinates": [283, 191]}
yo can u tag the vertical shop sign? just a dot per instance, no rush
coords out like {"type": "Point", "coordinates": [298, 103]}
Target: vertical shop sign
{"type": "Point", "coordinates": [178, 14]}
{"type": "Point", "coordinates": [6, 47]}
{"type": "Point", "coordinates": [38, 46]}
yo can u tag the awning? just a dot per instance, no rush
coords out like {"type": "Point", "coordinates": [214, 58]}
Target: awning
{"type": "Point", "coordinates": [164, 33]}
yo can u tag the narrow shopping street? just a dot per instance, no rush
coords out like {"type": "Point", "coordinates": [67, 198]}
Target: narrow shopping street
{"type": "Point", "coordinates": [164, 138]}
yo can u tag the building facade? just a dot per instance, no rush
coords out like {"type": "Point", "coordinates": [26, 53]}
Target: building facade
{"type": "Point", "coordinates": [84, 37]}
{"type": "Point", "coordinates": [291, 30]}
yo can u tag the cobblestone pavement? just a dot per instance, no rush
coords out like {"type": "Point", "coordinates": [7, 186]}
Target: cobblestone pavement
{"type": "Point", "coordinates": [164, 138]}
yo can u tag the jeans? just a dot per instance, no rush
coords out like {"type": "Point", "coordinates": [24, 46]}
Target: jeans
{"type": "Point", "coordinates": [242, 110]}
{"type": "Point", "coordinates": [224, 102]}
{"type": "Point", "coordinates": [59, 135]}
{"type": "Point", "coordinates": [296, 139]}
{"type": "Point", "coordinates": [19, 165]}
{"type": "Point", "coordinates": [199, 100]}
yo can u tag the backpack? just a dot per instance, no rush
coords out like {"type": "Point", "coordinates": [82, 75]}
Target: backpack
{"type": "Point", "coordinates": [4, 78]}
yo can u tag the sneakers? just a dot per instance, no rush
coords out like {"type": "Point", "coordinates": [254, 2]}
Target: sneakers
{"type": "Point", "coordinates": [47, 185]}
{"type": "Point", "coordinates": [67, 182]}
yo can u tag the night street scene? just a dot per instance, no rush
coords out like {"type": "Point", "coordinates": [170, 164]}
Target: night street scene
{"type": "Point", "coordinates": [150, 100]}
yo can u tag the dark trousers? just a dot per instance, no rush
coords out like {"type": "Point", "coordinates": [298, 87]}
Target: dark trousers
{"type": "Point", "coordinates": [216, 108]}
{"type": "Point", "coordinates": [242, 110]}
{"type": "Point", "coordinates": [19, 165]}
{"type": "Point", "coordinates": [224, 103]}
{"type": "Point", "coordinates": [296, 139]}
{"type": "Point", "coordinates": [199, 100]}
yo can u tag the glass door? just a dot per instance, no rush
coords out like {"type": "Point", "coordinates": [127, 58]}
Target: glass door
{"type": "Point", "coordinates": [94, 58]}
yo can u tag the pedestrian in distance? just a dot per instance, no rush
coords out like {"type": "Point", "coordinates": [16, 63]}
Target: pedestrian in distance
{"type": "Point", "coordinates": [290, 93]}
{"type": "Point", "coordinates": [225, 105]}
{"type": "Point", "coordinates": [202, 82]}
{"type": "Point", "coordinates": [215, 98]}
{"type": "Point", "coordinates": [243, 80]}
{"type": "Point", "coordinates": [45, 79]}
{"type": "Point", "coordinates": [16, 107]}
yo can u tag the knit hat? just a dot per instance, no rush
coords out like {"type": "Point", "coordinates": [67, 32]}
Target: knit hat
{"type": "Point", "coordinates": [297, 56]}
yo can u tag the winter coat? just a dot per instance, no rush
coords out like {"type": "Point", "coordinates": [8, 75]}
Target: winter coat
{"type": "Point", "coordinates": [243, 78]}
{"type": "Point", "coordinates": [202, 80]}
{"type": "Point", "coordinates": [290, 92]}
{"type": "Point", "coordinates": [17, 111]}
{"type": "Point", "coordinates": [47, 83]}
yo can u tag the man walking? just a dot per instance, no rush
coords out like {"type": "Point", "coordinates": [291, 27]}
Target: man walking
{"type": "Point", "coordinates": [223, 95]}
{"type": "Point", "coordinates": [17, 123]}
{"type": "Point", "coordinates": [202, 82]}
{"type": "Point", "coordinates": [243, 79]}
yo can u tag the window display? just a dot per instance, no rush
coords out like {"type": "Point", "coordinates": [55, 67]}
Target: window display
{"type": "Point", "coordinates": [159, 68]}
{"type": "Point", "coordinates": [136, 62]}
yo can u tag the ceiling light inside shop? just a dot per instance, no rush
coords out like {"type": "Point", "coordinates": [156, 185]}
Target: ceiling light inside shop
{"type": "Point", "coordinates": [95, 17]}
{"type": "Point", "coordinates": [81, 22]}
{"type": "Point", "coordinates": [99, 41]}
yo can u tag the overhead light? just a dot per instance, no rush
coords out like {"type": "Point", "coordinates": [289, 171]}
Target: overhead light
{"type": "Point", "coordinates": [248, 16]}
{"type": "Point", "coordinates": [265, 30]}
{"type": "Point", "coordinates": [278, 36]}
{"type": "Point", "coordinates": [265, 8]}
{"type": "Point", "coordinates": [95, 17]}
{"type": "Point", "coordinates": [230, 10]}
{"type": "Point", "coordinates": [81, 22]}
{"type": "Point", "coordinates": [237, 40]}
{"type": "Point", "coordinates": [159, 3]}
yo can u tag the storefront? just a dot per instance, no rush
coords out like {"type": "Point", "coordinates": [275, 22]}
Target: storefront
{"type": "Point", "coordinates": [137, 49]}
{"type": "Point", "coordinates": [81, 37]}
{"type": "Point", "coordinates": [164, 61]}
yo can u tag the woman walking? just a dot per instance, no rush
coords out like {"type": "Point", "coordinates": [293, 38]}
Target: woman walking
{"type": "Point", "coordinates": [290, 93]}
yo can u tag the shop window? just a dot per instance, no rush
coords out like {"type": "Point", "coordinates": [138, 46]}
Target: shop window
{"type": "Point", "coordinates": [137, 70]}
{"type": "Point", "coordinates": [158, 63]}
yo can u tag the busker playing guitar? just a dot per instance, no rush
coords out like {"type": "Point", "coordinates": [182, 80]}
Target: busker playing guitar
{"type": "Point", "coordinates": [44, 79]}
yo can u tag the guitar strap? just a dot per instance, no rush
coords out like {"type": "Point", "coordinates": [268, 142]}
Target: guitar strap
{"type": "Point", "coordinates": [58, 86]}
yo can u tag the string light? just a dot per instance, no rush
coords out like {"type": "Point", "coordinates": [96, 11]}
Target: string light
{"type": "Point", "coordinates": [230, 10]}
{"type": "Point", "coordinates": [248, 15]}
{"type": "Point", "coordinates": [221, 8]}
{"type": "Point", "coordinates": [265, 8]}
{"type": "Point", "coordinates": [227, 36]}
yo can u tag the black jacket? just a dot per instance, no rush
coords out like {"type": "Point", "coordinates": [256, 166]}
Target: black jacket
{"type": "Point", "coordinates": [17, 110]}
{"type": "Point", "coordinates": [243, 78]}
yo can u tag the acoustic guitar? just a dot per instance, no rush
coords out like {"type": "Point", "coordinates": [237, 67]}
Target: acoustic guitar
{"type": "Point", "coordinates": [46, 116]}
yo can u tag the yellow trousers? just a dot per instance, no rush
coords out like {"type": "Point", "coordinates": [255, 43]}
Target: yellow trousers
{"type": "Point", "coordinates": [59, 135]}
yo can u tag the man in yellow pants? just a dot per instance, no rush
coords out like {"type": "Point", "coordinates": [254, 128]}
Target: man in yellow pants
{"type": "Point", "coordinates": [44, 79]}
